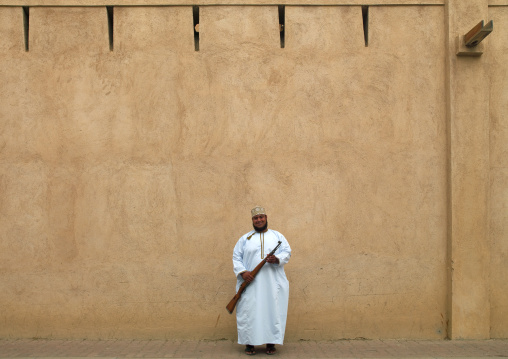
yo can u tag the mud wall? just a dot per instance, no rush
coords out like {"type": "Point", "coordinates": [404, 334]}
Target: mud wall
{"type": "Point", "coordinates": [129, 162]}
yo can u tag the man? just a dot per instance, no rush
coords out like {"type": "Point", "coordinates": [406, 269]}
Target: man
{"type": "Point", "coordinates": [262, 310]}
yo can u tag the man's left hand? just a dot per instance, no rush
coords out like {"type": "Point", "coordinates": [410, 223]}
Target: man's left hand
{"type": "Point", "coordinates": [272, 259]}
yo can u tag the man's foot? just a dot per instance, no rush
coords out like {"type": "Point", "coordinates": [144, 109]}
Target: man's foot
{"type": "Point", "coordinates": [270, 349]}
{"type": "Point", "coordinates": [249, 350]}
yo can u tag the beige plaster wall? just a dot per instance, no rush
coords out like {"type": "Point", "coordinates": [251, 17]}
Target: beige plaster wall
{"type": "Point", "coordinates": [498, 60]}
{"type": "Point", "coordinates": [468, 119]}
{"type": "Point", "coordinates": [127, 176]}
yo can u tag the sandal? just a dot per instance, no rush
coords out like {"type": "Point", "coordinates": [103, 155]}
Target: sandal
{"type": "Point", "coordinates": [270, 349]}
{"type": "Point", "coordinates": [249, 350]}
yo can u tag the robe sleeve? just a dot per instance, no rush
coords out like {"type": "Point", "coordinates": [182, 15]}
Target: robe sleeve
{"type": "Point", "coordinates": [238, 266]}
{"type": "Point", "coordinates": [284, 251]}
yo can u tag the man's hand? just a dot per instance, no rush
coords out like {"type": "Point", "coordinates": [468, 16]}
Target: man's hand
{"type": "Point", "coordinates": [272, 259]}
{"type": "Point", "coordinates": [247, 276]}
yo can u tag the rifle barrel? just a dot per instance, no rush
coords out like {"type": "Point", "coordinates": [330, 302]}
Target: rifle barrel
{"type": "Point", "coordinates": [232, 304]}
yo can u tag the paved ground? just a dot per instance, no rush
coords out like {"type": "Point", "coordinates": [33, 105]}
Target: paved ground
{"type": "Point", "coordinates": [38, 348]}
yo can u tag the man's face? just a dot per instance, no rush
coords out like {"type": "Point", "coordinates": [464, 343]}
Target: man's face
{"type": "Point", "coordinates": [259, 221]}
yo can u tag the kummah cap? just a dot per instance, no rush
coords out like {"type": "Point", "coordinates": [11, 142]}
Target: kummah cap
{"type": "Point", "coordinates": [257, 210]}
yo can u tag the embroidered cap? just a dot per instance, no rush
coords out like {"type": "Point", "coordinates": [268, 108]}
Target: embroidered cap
{"type": "Point", "coordinates": [257, 210]}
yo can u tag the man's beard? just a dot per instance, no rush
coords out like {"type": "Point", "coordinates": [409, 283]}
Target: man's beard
{"type": "Point", "coordinates": [261, 229]}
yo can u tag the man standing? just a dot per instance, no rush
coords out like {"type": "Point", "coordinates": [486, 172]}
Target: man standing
{"type": "Point", "coordinates": [262, 310]}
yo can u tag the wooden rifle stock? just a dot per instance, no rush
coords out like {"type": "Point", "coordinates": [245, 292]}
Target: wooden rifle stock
{"type": "Point", "coordinates": [232, 304]}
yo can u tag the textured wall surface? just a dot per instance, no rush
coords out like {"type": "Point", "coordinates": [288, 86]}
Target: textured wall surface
{"type": "Point", "coordinates": [127, 176]}
{"type": "Point", "coordinates": [498, 60]}
{"type": "Point", "coordinates": [468, 119]}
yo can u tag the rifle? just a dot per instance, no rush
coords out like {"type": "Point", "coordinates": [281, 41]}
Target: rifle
{"type": "Point", "coordinates": [232, 304]}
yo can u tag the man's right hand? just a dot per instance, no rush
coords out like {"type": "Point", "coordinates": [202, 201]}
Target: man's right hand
{"type": "Point", "coordinates": [247, 276]}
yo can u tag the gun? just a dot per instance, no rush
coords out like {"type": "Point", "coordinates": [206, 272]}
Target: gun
{"type": "Point", "coordinates": [232, 304]}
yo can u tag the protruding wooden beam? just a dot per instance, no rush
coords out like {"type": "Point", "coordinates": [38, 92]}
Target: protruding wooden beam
{"type": "Point", "coordinates": [478, 33]}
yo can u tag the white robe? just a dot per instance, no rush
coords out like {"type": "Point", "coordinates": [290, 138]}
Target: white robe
{"type": "Point", "coordinates": [262, 310]}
